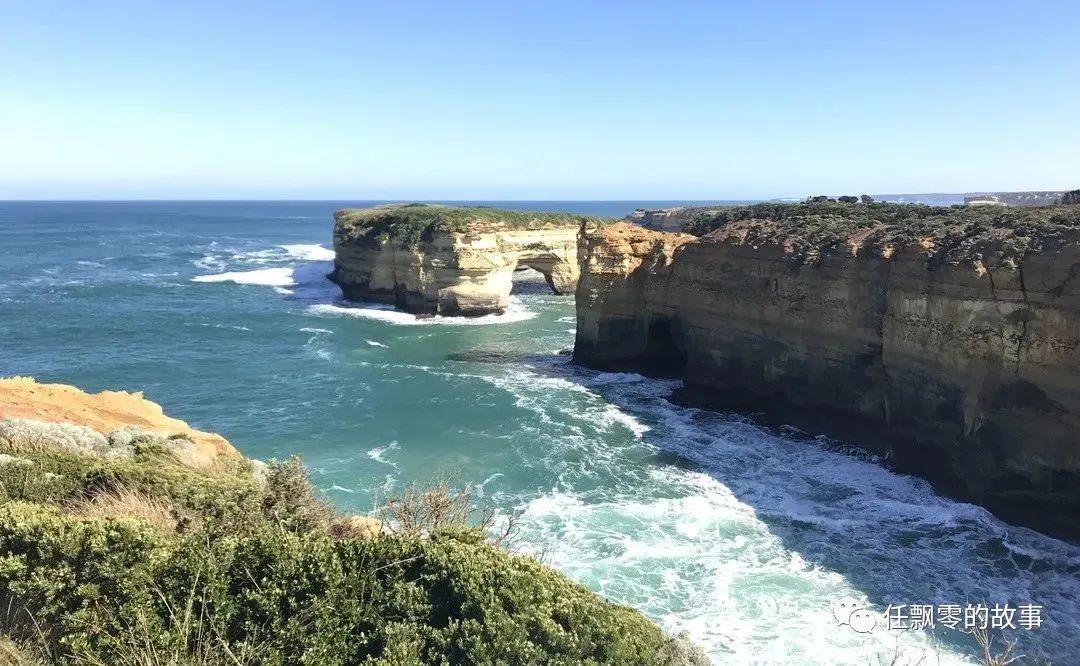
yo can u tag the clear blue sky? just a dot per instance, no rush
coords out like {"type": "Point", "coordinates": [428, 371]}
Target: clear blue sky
{"type": "Point", "coordinates": [535, 100]}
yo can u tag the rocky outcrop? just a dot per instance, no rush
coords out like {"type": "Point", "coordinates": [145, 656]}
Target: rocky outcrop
{"type": "Point", "coordinates": [106, 423]}
{"type": "Point", "coordinates": [661, 219]}
{"type": "Point", "coordinates": [1071, 198]}
{"type": "Point", "coordinates": [449, 260]}
{"type": "Point", "coordinates": [668, 219]}
{"type": "Point", "coordinates": [944, 339]}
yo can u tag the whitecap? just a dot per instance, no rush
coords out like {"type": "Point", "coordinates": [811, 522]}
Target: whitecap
{"type": "Point", "coordinates": [309, 252]}
{"type": "Point", "coordinates": [269, 277]}
{"type": "Point", "coordinates": [224, 326]}
{"type": "Point", "coordinates": [374, 343]}
{"type": "Point", "coordinates": [378, 453]}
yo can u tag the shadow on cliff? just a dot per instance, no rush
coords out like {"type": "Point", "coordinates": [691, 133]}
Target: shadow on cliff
{"type": "Point", "coordinates": [839, 509]}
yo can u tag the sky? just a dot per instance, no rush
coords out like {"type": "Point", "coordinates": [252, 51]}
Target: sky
{"type": "Point", "coordinates": [535, 100]}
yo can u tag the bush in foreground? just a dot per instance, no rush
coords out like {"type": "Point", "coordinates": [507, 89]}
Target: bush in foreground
{"type": "Point", "coordinates": [216, 566]}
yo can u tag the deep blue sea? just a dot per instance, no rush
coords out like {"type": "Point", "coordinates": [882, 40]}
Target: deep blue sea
{"type": "Point", "coordinates": [742, 537]}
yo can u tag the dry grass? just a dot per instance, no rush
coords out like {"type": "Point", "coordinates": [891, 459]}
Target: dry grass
{"type": "Point", "coordinates": [22, 640]}
{"type": "Point", "coordinates": [424, 509]}
{"type": "Point", "coordinates": [188, 455]}
{"type": "Point", "coordinates": [356, 527]}
{"type": "Point", "coordinates": [13, 654]}
{"type": "Point", "coordinates": [125, 503]}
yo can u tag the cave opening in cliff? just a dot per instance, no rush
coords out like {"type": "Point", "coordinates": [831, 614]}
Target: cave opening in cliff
{"type": "Point", "coordinates": [663, 355]}
{"type": "Point", "coordinates": [528, 280]}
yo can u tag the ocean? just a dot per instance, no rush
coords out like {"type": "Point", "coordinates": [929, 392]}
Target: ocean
{"type": "Point", "coordinates": [743, 537]}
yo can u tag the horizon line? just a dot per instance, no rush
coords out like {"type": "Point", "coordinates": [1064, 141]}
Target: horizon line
{"type": "Point", "coordinates": [468, 199]}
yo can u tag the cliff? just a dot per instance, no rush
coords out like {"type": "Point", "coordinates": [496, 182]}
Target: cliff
{"type": "Point", "coordinates": [665, 219]}
{"type": "Point", "coordinates": [448, 260]}
{"type": "Point", "coordinates": [943, 338]}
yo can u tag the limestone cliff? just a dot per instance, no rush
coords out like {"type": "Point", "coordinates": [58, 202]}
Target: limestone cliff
{"type": "Point", "coordinates": [946, 339]}
{"type": "Point", "coordinates": [449, 260]}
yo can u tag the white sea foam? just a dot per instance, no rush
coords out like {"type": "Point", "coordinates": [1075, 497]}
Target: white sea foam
{"type": "Point", "coordinates": [375, 343]}
{"type": "Point", "coordinates": [270, 277]}
{"type": "Point", "coordinates": [219, 259]}
{"type": "Point", "coordinates": [378, 454]}
{"type": "Point", "coordinates": [747, 541]}
{"type": "Point", "coordinates": [316, 344]}
{"type": "Point", "coordinates": [309, 252]}
{"type": "Point", "coordinates": [515, 312]}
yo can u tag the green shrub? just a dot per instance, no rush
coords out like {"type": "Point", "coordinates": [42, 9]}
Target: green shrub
{"type": "Point", "coordinates": [104, 586]}
{"type": "Point", "coordinates": [61, 576]}
{"type": "Point", "coordinates": [223, 503]}
{"type": "Point", "coordinates": [258, 576]}
{"type": "Point", "coordinates": [290, 499]}
{"type": "Point", "coordinates": [412, 224]}
{"type": "Point", "coordinates": [959, 233]}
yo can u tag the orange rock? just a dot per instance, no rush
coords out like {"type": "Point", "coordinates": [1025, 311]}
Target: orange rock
{"type": "Point", "coordinates": [24, 398]}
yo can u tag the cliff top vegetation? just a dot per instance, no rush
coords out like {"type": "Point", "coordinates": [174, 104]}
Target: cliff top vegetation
{"type": "Point", "coordinates": [954, 234]}
{"type": "Point", "coordinates": [132, 552]}
{"type": "Point", "coordinates": [410, 224]}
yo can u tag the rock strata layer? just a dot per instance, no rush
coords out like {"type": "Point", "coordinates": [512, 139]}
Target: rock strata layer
{"type": "Point", "coordinates": [447, 260]}
{"type": "Point", "coordinates": [948, 341]}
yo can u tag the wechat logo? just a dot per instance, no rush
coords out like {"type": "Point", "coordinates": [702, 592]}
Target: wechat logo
{"type": "Point", "coordinates": [853, 613]}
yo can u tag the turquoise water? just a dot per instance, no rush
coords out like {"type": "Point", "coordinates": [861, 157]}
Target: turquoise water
{"type": "Point", "coordinates": [743, 538]}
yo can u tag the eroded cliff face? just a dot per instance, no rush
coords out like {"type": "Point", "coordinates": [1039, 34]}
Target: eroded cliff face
{"type": "Point", "coordinates": [955, 355]}
{"type": "Point", "coordinates": [465, 270]}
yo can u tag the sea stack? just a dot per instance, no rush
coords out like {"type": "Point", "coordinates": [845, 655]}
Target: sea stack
{"type": "Point", "coordinates": [448, 260]}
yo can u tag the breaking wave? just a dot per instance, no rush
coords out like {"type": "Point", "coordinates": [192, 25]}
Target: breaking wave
{"type": "Point", "coordinates": [743, 537]}
{"type": "Point", "coordinates": [515, 312]}
{"type": "Point", "coordinates": [270, 277]}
